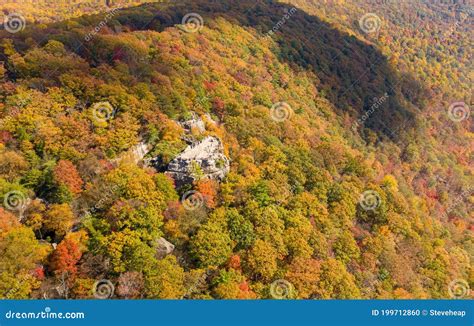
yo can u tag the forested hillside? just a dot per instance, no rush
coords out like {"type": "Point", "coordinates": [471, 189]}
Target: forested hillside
{"type": "Point", "coordinates": [340, 131]}
{"type": "Point", "coordinates": [47, 11]}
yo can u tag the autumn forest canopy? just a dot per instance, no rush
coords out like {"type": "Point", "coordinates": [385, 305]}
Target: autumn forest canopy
{"type": "Point", "coordinates": [236, 149]}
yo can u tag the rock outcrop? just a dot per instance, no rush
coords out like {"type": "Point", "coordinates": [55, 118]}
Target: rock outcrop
{"type": "Point", "coordinates": [163, 247]}
{"type": "Point", "coordinates": [134, 155]}
{"type": "Point", "coordinates": [202, 159]}
{"type": "Point", "coordinates": [195, 123]}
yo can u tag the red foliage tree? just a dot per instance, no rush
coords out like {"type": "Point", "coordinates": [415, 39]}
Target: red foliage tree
{"type": "Point", "coordinates": [65, 258]}
{"type": "Point", "coordinates": [218, 105]}
{"type": "Point", "coordinates": [234, 262]}
{"type": "Point", "coordinates": [5, 136]}
{"type": "Point", "coordinates": [207, 188]}
{"type": "Point", "coordinates": [209, 85]}
{"type": "Point", "coordinates": [39, 272]}
{"type": "Point", "coordinates": [7, 220]}
{"type": "Point", "coordinates": [65, 173]}
{"type": "Point", "coordinates": [245, 291]}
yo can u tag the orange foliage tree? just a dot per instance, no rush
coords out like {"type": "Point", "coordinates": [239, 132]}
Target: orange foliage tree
{"type": "Point", "coordinates": [65, 257]}
{"type": "Point", "coordinates": [208, 190]}
{"type": "Point", "coordinates": [65, 173]}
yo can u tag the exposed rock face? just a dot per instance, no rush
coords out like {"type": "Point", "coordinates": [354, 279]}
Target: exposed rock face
{"type": "Point", "coordinates": [203, 159]}
{"type": "Point", "coordinates": [134, 154]}
{"type": "Point", "coordinates": [195, 123]}
{"type": "Point", "coordinates": [163, 247]}
{"type": "Point", "coordinates": [139, 151]}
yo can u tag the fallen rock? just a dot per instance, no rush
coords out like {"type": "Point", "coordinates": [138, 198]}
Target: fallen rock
{"type": "Point", "coordinates": [163, 247]}
{"type": "Point", "coordinates": [203, 159]}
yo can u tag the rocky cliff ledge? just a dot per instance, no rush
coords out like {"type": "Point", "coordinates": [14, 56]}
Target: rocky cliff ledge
{"type": "Point", "coordinates": [203, 159]}
{"type": "Point", "coordinates": [134, 155]}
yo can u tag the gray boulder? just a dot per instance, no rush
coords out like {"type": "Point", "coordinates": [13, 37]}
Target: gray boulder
{"type": "Point", "coordinates": [202, 159]}
{"type": "Point", "coordinates": [194, 123]}
{"type": "Point", "coordinates": [163, 247]}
